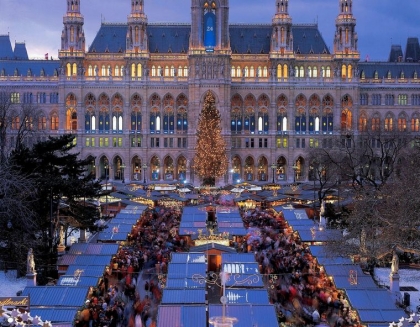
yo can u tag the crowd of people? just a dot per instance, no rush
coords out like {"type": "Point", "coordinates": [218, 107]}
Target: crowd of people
{"type": "Point", "coordinates": [298, 287]}
{"type": "Point", "coordinates": [130, 291]}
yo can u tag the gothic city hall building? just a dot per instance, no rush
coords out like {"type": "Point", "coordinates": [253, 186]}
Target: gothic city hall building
{"type": "Point", "coordinates": [133, 98]}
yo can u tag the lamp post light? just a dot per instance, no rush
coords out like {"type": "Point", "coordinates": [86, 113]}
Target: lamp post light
{"type": "Point", "coordinates": [273, 167]}
{"type": "Point", "coordinates": [106, 188]}
{"type": "Point", "coordinates": [122, 172]}
{"type": "Point", "coordinates": [144, 167]}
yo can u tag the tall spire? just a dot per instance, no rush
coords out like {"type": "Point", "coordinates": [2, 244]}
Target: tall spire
{"type": "Point", "coordinates": [282, 38]}
{"type": "Point", "coordinates": [345, 41]}
{"type": "Point", "coordinates": [73, 36]}
{"type": "Point", "coordinates": [73, 6]}
{"type": "Point", "coordinates": [346, 7]}
{"type": "Point", "coordinates": [136, 33]}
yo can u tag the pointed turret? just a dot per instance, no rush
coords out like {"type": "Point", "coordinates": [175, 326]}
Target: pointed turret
{"type": "Point", "coordinates": [73, 36]}
{"type": "Point", "coordinates": [209, 26]}
{"type": "Point", "coordinates": [345, 41]}
{"type": "Point", "coordinates": [136, 33]}
{"type": "Point", "coordinates": [282, 38]}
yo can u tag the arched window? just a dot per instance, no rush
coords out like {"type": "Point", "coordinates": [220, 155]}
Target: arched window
{"type": "Point", "coordinates": [362, 127]}
{"type": "Point", "coordinates": [315, 72]}
{"type": "Point", "coordinates": [117, 71]}
{"type": "Point", "coordinates": [117, 114]}
{"type": "Point", "coordinates": [314, 108]}
{"type": "Point", "coordinates": [236, 114]}
{"type": "Point", "coordinates": [133, 70]}
{"type": "Point", "coordinates": [301, 72]}
{"type": "Point", "coordinates": [415, 123]}
{"type": "Point", "coordinates": [136, 117]}
{"type": "Point", "coordinates": [71, 115]}
{"type": "Point", "coordinates": [389, 123]}
{"type": "Point", "coordinates": [402, 123]}
{"type": "Point", "coordinates": [139, 70]}
{"type": "Point", "coordinates": [249, 114]}
{"type": "Point", "coordinates": [54, 122]}
{"type": "Point", "coordinates": [265, 71]}
{"type": "Point", "coordinates": [166, 70]}
{"type": "Point", "coordinates": [238, 72]}
{"type": "Point", "coordinates": [90, 122]}
{"type": "Point", "coordinates": [153, 71]}
{"type": "Point", "coordinates": [168, 115]}
{"type": "Point", "coordinates": [185, 71]}
{"type": "Point", "coordinates": [282, 104]}
{"type": "Point", "coordinates": [155, 121]}
{"type": "Point", "coordinates": [328, 72]}
{"type": "Point", "coordinates": [182, 116]}
{"type": "Point", "coordinates": [251, 71]}
{"type": "Point", "coordinates": [233, 71]}
{"type": "Point", "coordinates": [300, 118]}
{"type": "Point", "coordinates": [90, 70]}
{"type": "Point", "coordinates": [180, 71]}
{"type": "Point", "coordinates": [263, 106]}
{"type": "Point", "coordinates": [327, 115]}
{"type": "Point", "coordinates": [104, 123]}
{"type": "Point", "coordinates": [376, 122]}
{"type": "Point", "coordinates": [103, 71]}
{"type": "Point", "coordinates": [346, 113]}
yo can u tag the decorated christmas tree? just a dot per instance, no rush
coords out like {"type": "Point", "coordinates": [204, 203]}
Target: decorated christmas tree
{"type": "Point", "coordinates": [210, 161]}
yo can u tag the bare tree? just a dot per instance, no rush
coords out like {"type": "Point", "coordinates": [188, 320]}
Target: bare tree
{"type": "Point", "coordinates": [324, 173]}
{"type": "Point", "coordinates": [385, 220]}
{"type": "Point", "coordinates": [18, 120]}
{"type": "Point", "coordinates": [368, 159]}
{"type": "Point", "coordinates": [17, 219]}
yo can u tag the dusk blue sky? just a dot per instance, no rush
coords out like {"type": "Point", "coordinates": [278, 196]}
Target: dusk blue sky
{"type": "Point", "coordinates": [380, 23]}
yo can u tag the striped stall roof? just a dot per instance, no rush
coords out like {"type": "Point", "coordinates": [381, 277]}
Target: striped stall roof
{"type": "Point", "coordinates": [93, 248]}
{"type": "Point", "coordinates": [183, 283]}
{"type": "Point", "coordinates": [71, 280]}
{"type": "Point", "coordinates": [56, 296]}
{"type": "Point", "coordinates": [191, 257]}
{"type": "Point", "coordinates": [238, 258]}
{"type": "Point", "coordinates": [112, 237]}
{"type": "Point", "coordinates": [187, 296]}
{"type": "Point", "coordinates": [86, 270]}
{"type": "Point", "coordinates": [183, 315]}
{"type": "Point", "coordinates": [247, 314]}
{"type": "Point", "coordinates": [83, 260]}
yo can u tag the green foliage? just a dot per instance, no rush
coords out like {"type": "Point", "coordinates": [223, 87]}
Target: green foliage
{"type": "Point", "coordinates": [61, 187]}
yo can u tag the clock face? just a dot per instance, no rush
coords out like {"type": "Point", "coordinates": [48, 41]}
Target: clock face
{"type": "Point", "coordinates": [209, 30]}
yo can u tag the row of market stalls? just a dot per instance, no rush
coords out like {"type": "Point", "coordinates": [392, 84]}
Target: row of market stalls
{"type": "Point", "coordinates": [191, 296]}
{"type": "Point", "coordinates": [81, 269]}
{"type": "Point", "coordinates": [374, 305]}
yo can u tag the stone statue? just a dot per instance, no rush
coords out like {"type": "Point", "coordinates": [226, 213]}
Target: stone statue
{"type": "Point", "coordinates": [30, 262]}
{"type": "Point", "coordinates": [395, 262]}
{"type": "Point", "coordinates": [61, 235]}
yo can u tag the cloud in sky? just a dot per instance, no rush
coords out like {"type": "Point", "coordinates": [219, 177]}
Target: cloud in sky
{"type": "Point", "coordinates": [380, 23]}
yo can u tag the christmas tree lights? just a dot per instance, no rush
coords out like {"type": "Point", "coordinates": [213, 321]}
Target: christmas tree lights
{"type": "Point", "coordinates": [210, 160]}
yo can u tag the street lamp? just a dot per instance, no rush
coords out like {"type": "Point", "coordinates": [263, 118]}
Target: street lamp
{"type": "Point", "coordinates": [106, 188]}
{"type": "Point", "coordinates": [122, 172]}
{"type": "Point", "coordinates": [144, 167]}
{"type": "Point", "coordinates": [313, 177]}
{"type": "Point", "coordinates": [273, 167]}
